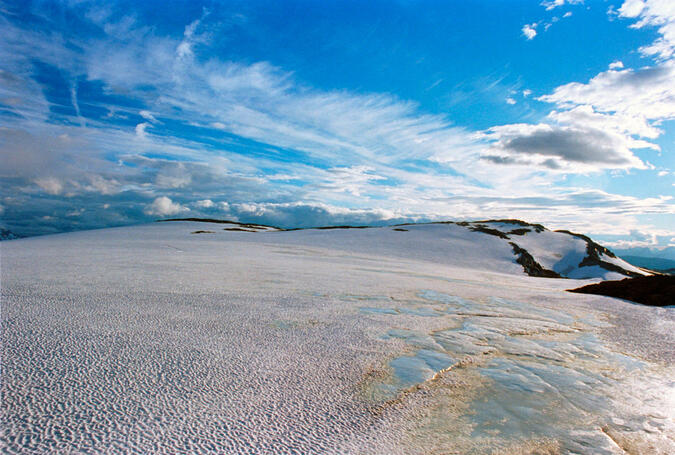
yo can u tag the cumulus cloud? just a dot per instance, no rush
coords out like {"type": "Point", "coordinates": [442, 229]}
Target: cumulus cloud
{"type": "Point", "coordinates": [654, 13]}
{"type": "Point", "coordinates": [164, 206]}
{"type": "Point", "coordinates": [584, 146]}
{"type": "Point", "coordinates": [205, 204]}
{"type": "Point", "coordinates": [647, 92]}
{"type": "Point", "coordinates": [617, 64]}
{"type": "Point", "coordinates": [529, 30]}
{"type": "Point", "coordinates": [570, 145]}
{"type": "Point", "coordinates": [586, 116]}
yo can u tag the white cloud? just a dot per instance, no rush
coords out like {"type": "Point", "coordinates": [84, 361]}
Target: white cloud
{"type": "Point", "coordinates": [50, 185]}
{"type": "Point", "coordinates": [567, 14]}
{"type": "Point", "coordinates": [529, 30]}
{"type": "Point", "coordinates": [205, 204]}
{"type": "Point", "coordinates": [639, 99]}
{"type": "Point", "coordinates": [618, 64]}
{"type": "Point", "coordinates": [527, 92]}
{"type": "Point", "coordinates": [140, 129]}
{"type": "Point", "coordinates": [148, 116]}
{"type": "Point", "coordinates": [570, 148]}
{"type": "Point", "coordinates": [628, 125]}
{"type": "Point", "coordinates": [377, 147]}
{"type": "Point", "coordinates": [77, 212]}
{"type": "Point", "coordinates": [101, 185]}
{"type": "Point", "coordinates": [551, 4]}
{"type": "Point", "coordinates": [631, 8]}
{"type": "Point", "coordinates": [163, 206]}
{"type": "Point", "coordinates": [354, 180]}
{"type": "Point", "coordinates": [179, 179]}
{"type": "Point", "coordinates": [510, 100]}
{"type": "Point", "coordinates": [654, 13]}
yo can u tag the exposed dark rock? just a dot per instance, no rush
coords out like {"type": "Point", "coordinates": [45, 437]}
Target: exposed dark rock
{"type": "Point", "coordinates": [521, 231]}
{"type": "Point", "coordinates": [212, 220]}
{"type": "Point", "coordinates": [239, 229]}
{"type": "Point", "coordinates": [486, 230]}
{"type": "Point", "coordinates": [343, 227]}
{"type": "Point", "coordinates": [202, 232]}
{"type": "Point", "coordinates": [536, 227]}
{"type": "Point", "coordinates": [531, 267]}
{"type": "Point", "coordinates": [400, 230]}
{"type": "Point", "coordinates": [658, 290]}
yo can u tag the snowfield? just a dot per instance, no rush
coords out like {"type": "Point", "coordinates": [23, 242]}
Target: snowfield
{"type": "Point", "coordinates": [193, 337]}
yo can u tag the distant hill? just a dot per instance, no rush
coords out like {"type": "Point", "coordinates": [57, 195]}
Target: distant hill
{"type": "Point", "coordinates": [656, 264]}
{"type": "Point", "coordinates": [508, 246]}
{"type": "Point", "coordinates": [645, 252]}
{"type": "Point", "coordinates": [6, 234]}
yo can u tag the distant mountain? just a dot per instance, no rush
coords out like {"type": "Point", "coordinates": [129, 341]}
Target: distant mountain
{"type": "Point", "coordinates": [651, 263]}
{"type": "Point", "coordinates": [663, 253]}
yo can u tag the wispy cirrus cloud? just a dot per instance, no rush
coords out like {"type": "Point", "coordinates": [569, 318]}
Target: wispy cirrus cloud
{"type": "Point", "coordinates": [549, 5]}
{"type": "Point", "coordinates": [147, 124]}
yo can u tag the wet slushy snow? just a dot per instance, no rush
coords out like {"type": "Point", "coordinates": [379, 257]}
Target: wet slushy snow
{"type": "Point", "coordinates": [151, 339]}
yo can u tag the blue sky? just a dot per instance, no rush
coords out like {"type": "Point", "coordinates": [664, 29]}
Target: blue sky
{"type": "Point", "coordinates": [305, 113]}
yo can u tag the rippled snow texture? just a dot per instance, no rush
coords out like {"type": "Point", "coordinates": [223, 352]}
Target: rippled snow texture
{"type": "Point", "coordinates": [154, 340]}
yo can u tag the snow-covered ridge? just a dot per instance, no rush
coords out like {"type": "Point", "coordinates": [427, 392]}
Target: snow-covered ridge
{"type": "Point", "coordinates": [507, 246]}
{"type": "Point", "coordinates": [562, 252]}
{"type": "Point", "coordinates": [6, 234]}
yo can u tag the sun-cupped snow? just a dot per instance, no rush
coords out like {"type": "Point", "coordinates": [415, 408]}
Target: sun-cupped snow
{"type": "Point", "coordinates": [203, 337]}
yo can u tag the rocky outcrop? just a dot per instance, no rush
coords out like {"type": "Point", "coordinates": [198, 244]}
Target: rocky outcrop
{"type": "Point", "coordinates": [531, 267]}
{"type": "Point", "coordinates": [658, 290]}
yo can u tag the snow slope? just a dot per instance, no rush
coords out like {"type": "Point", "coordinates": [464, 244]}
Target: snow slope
{"type": "Point", "coordinates": [470, 245]}
{"type": "Point", "coordinates": [155, 339]}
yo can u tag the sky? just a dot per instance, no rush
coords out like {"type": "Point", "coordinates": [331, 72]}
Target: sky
{"type": "Point", "coordinates": [311, 113]}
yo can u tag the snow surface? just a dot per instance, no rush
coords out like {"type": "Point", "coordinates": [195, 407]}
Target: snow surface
{"type": "Point", "coordinates": [151, 339]}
